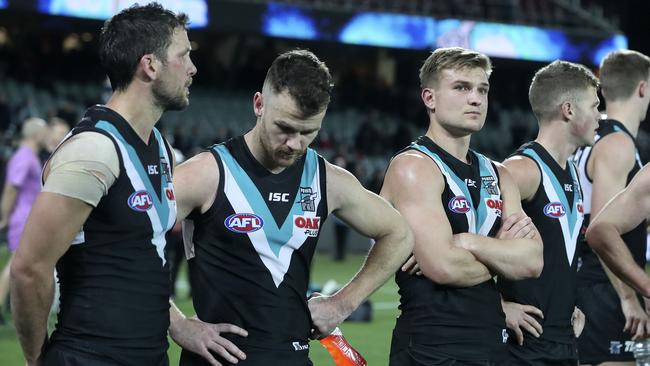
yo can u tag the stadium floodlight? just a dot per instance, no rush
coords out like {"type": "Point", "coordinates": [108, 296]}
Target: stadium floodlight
{"type": "Point", "coordinates": [197, 10]}
{"type": "Point", "coordinates": [395, 30]}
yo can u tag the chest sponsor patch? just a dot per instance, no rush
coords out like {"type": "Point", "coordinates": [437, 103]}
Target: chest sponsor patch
{"type": "Point", "coordinates": [554, 210]}
{"type": "Point", "coordinates": [494, 204]}
{"type": "Point", "coordinates": [309, 225]}
{"type": "Point", "coordinates": [243, 223]}
{"type": "Point", "coordinates": [140, 201]}
{"type": "Point", "coordinates": [459, 204]}
{"type": "Point", "coordinates": [170, 194]}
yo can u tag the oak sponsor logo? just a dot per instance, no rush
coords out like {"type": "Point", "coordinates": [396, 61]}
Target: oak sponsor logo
{"type": "Point", "coordinates": [309, 225]}
{"type": "Point", "coordinates": [494, 204]}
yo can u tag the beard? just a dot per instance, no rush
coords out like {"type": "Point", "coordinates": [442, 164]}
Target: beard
{"type": "Point", "coordinates": [282, 156]}
{"type": "Point", "coordinates": [167, 99]}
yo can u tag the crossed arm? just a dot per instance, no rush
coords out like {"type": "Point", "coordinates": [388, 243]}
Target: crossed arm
{"type": "Point", "coordinates": [463, 259]}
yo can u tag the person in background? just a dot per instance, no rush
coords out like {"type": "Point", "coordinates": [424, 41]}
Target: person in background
{"type": "Point", "coordinates": [615, 314]}
{"type": "Point", "coordinates": [22, 184]}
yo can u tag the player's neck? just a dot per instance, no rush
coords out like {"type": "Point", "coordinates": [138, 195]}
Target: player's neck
{"type": "Point", "coordinates": [137, 110]}
{"type": "Point", "coordinates": [625, 113]}
{"type": "Point", "coordinates": [454, 145]}
{"type": "Point", "coordinates": [556, 143]}
{"type": "Point", "coordinates": [255, 147]}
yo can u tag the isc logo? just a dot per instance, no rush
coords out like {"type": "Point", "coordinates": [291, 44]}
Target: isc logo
{"type": "Point", "coordinates": [140, 201]}
{"type": "Point", "coordinates": [554, 210]}
{"type": "Point", "coordinates": [243, 222]}
{"type": "Point", "coordinates": [459, 204]}
{"type": "Point", "coordinates": [278, 197]}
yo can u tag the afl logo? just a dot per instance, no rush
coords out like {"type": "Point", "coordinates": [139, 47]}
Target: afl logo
{"type": "Point", "coordinates": [140, 201]}
{"type": "Point", "coordinates": [459, 204]}
{"type": "Point", "coordinates": [554, 210]}
{"type": "Point", "coordinates": [243, 223]}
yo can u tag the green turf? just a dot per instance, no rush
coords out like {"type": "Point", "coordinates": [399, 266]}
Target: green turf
{"type": "Point", "coordinates": [372, 339]}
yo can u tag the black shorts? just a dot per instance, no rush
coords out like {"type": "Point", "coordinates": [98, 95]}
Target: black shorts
{"type": "Point", "coordinates": [253, 358]}
{"type": "Point", "coordinates": [403, 353]}
{"type": "Point", "coordinates": [603, 338]}
{"type": "Point", "coordinates": [411, 357]}
{"type": "Point", "coordinates": [537, 352]}
{"type": "Point", "coordinates": [408, 357]}
{"type": "Point", "coordinates": [57, 354]}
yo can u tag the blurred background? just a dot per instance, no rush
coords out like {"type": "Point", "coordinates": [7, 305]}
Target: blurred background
{"type": "Point", "coordinates": [374, 48]}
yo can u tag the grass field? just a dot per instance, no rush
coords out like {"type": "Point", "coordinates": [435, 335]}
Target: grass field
{"type": "Point", "coordinates": [372, 339]}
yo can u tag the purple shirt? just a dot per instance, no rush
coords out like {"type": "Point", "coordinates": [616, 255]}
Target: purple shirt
{"type": "Point", "coordinates": [24, 173]}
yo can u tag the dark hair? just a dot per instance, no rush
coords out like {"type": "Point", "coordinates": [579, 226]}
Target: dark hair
{"type": "Point", "coordinates": [556, 83]}
{"type": "Point", "coordinates": [305, 77]}
{"type": "Point", "coordinates": [133, 33]}
{"type": "Point", "coordinates": [620, 73]}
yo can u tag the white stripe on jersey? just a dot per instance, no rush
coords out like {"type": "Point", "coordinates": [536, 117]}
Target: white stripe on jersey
{"type": "Point", "coordinates": [278, 266]}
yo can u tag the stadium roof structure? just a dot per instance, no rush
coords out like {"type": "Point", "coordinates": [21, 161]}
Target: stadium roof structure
{"type": "Point", "coordinates": [574, 15]}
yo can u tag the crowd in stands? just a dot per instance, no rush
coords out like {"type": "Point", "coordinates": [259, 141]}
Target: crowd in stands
{"type": "Point", "coordinates": [375, 111]}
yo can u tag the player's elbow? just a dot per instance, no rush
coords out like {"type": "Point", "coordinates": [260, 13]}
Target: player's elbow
{"type": "Point", "coordinates": [23, 273]}
{"type": "Point", "coordinates": [536, 266]}
{"type": "Point", "coordinates": [595, 232]}
{"type": "Point", "coordinates": [406, 238]}
{"type": "Point", "coordinates": [399, 238]}
{"type": "Point", "coordinates": [531, 266]}
{"type": "Point", "coordinates": [439, 275]}
{"type": "Point", "coordinates": [442, 273]}
{"type": "Point", "coordinates": [18, 270]}
{"type": "Point", "coordinates": [537, 260]}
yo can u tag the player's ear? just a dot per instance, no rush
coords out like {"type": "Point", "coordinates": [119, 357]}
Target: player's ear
{"type": "Point", "coordinates": [643, 88]}
{"type": "Point", "coordinates": [258, 104]}
{"type": "Point", "coordinates": [567, 110]}
{"type": "Point", "coordinates": [149, 65]}
{"type": "Point", "coordinates": [429, 99]}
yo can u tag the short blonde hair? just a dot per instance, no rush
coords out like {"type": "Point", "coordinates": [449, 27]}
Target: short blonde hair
{"type": "Point", "coordinates": [621, 71]}
{"type": "Point", "coordinates": [555, 83]}
{"type": "Point", "coordinates": [451, 58]}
